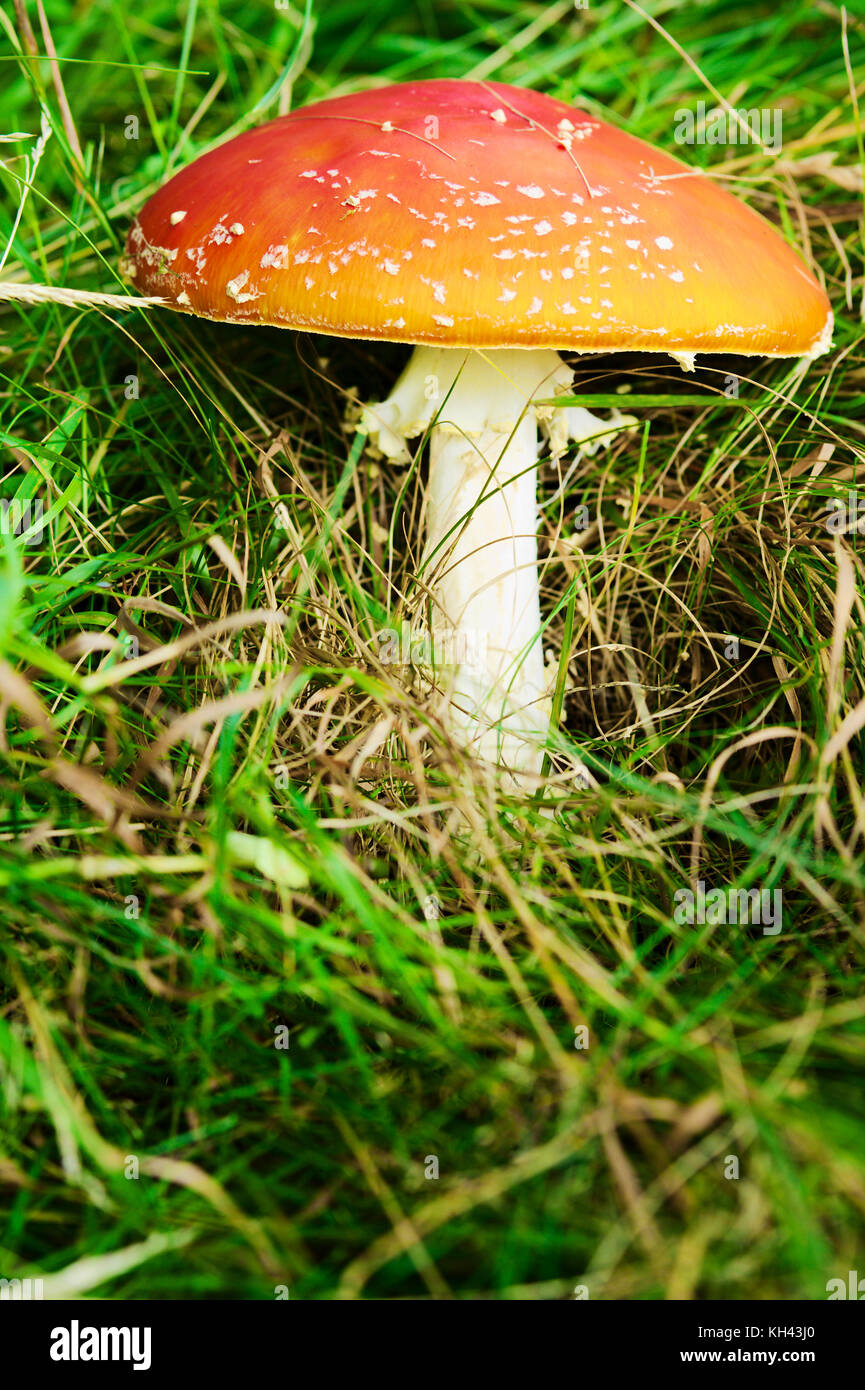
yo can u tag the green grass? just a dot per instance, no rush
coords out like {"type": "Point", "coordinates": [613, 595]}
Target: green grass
{"type": "Point", "coordinates": [243, 828]}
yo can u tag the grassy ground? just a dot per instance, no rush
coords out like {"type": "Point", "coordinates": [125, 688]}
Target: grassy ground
{"type": "Point", "coordinates": [222, 828]}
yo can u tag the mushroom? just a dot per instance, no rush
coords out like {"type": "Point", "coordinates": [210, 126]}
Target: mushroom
{"type": "Point", "coordinates": [490, 227]}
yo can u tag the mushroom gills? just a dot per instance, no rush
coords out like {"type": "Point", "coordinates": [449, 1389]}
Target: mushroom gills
{"type": "Point", "coordinates": [480, 558]}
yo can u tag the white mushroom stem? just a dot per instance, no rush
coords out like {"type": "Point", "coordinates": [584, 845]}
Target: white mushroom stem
{"type": "Point", "coordinates": [480, 559]}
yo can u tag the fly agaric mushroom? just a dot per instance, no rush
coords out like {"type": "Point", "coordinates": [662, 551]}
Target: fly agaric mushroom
{"type": "Point", "coordinates": [490, 227]}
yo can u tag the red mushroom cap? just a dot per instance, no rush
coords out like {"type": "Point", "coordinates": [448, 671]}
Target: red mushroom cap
{"type": "Point", "coordinates": [472, 214]}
